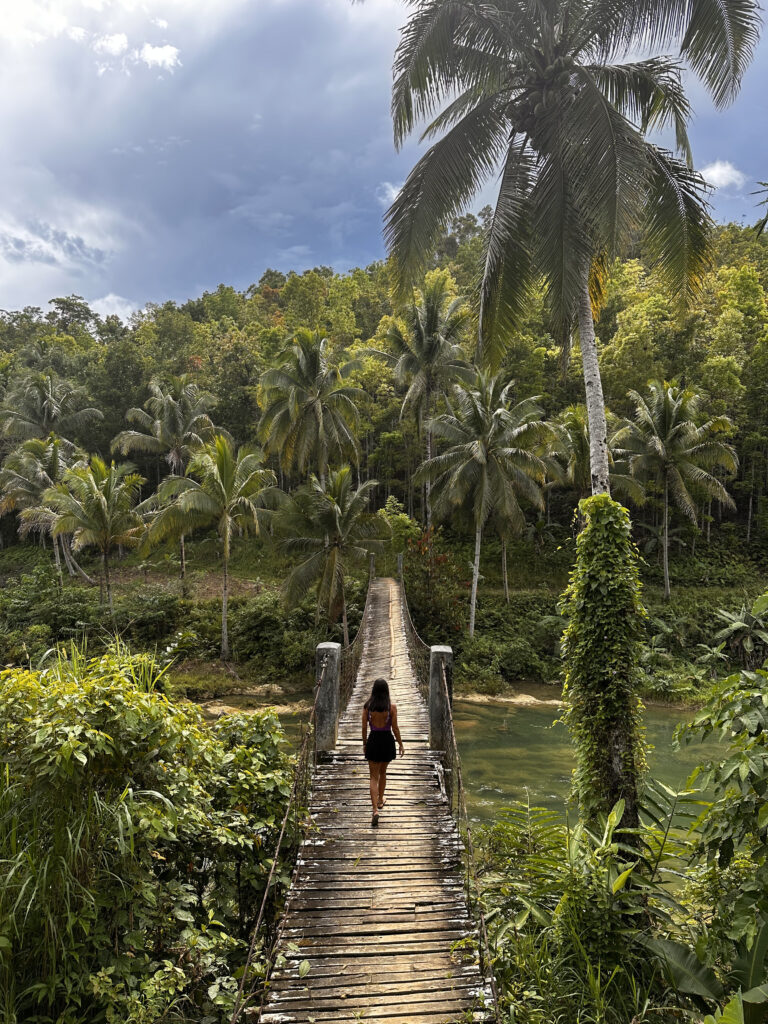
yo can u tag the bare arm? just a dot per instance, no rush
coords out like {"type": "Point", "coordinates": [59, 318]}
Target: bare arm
{"type": "Point", "coordinates": [365, 726]}
{"type": "Point", "coordinates": [396, 729]}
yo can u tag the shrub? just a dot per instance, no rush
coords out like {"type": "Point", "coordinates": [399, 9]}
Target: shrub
{"type": "Point", "coordinates": [135, 842]}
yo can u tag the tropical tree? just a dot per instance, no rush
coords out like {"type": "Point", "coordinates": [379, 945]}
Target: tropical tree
{"type": "Point", "coordinates": [666, 445]}
{"type": "Point", "coordinates": [38, 403]}
{"type": "Point", "coordinates": [426, 353]}
{"type": "Point", "coordinates": [96, 505]}
{"type": "Point", "coordinates": [174, 423]}
{"type": "Point", "coordinates": [492, 459]}
{"type": "Point", "coordinates": [310, 410]}
{"type": "Point", "coordinates": [329, 526]}
{"type": "Point", "coordinates": [222, 488]}
{"type": "Point", "coordinates": [570, 447]}
{"type": "Point", "coordinates": [543, 98]}
{"type": "Point", "coordinates": [36, 465]}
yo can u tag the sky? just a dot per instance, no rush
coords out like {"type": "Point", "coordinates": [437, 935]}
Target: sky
{"type": "Point", "coordinates": [155, 148]}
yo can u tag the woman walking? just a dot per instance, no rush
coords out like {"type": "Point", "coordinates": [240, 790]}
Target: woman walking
{"type": "Point", "coordinates": [380, 716]}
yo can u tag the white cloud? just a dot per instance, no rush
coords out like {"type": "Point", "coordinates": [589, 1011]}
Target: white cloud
{"type": "Point", "coordinates": [387, 193]}
{"type": "Point", "coordinates": [723, 174]}
{"type": "Point", "coordinates": [113, 305]}
{"type": "Point", "coordinates": [160, 22]}
{"type": "Point", "coordinates": [166, 57]}
{"type": "Point", "coordinates": [113, 45]}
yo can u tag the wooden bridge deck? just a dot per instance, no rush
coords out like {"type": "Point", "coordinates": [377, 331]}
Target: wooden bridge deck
{"type": "Point", "coordinates": [377, 913]}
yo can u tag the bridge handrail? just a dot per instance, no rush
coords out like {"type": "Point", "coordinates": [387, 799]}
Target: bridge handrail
{"type": "Point", "coordinates": [418, 650]}
{"type": "Point", "coordinates": [458, 806]}
{"type": "Point", "coordinates": [351, 656]}
{"type": "Point", "coordinates": [298, 800]}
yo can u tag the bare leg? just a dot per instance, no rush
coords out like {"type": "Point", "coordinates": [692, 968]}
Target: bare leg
{"type": "Point", "coordinates": [373, 767]}
{"type": "Point", "coordinates": [382, 783]}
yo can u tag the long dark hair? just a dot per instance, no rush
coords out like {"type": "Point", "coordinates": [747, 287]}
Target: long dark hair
{"type": "Point", "coordinates": [379, 699]}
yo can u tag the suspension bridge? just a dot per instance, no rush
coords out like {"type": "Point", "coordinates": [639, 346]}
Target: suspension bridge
{"type": "Point", "coordinates": [380, 925]}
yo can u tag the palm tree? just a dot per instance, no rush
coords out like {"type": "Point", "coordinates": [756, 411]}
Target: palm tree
{"type": "Point", "coordinates": [95, 504]}
{"type": "Point", "coordinates": [310, 409]}
{"type": "Point", "coordinates": [426, 355]}
{"type": "Point", "coordinates": [491, 461]}
{"type": "Point", "coordinates": [665, 445]}
{"type": "Point", "coordinates": [174, 423]}
{"type": "Point", "coordinates": [221, 488]}
{"type": "Point", "coordinates": [571, 465]}
{"type": "Point", "coordinates": [541, 97]}
{"type": "Point", "coordinates": [27, 473]}
{"type": "Point", "coordinates": [41, 402]}
{"type": "Point", "coordinates": [330, 527]}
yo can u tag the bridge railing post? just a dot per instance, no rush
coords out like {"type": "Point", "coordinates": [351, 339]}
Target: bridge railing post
{"type": "Point", "coordinates": [440, 708]}
{"type": "Point", "coordinates": [328, 699]}
{"type": "Point", "coordinates": [400, 566]}
{"type": "Point", "coordinates": [371, 567]}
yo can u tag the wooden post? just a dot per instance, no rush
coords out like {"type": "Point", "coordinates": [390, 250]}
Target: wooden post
{"type": "Point", "coordinates": [371, 567]}
{"type": "Point", "coordinates": [440, 711]}
{"type": "Point", "coordinates": [327, 713]}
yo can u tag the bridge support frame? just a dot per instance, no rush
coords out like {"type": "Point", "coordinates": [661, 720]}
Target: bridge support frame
{"type": "Point", "coordinates": [440, 710]}
{"type": "Point", "coordinates": [328, 699]}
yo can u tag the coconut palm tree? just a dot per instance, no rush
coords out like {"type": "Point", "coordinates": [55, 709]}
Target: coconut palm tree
{"type": "Point", "coordinates": [492, 459]}
{"type": "Point", "coordinates": [571, 465]}
{"type": "Point", "coordinates": [38, 403]}
{"type": "Point", "coordinates": [310, 410]}
{"type": "Point", "coordinates": [96, 505]}
{"type": "Point", "coordinates": [174, 423]}
{"type": "Point", "coordinates": [27, 473]}
{"type": "Point", "coordinates": [425, 351]}
{"type": "Point", "coordinates": [221, 488]}
{"type": "Point", "coordinates": [667, 446]}
{"type": "Point", "coordinates": [542, 98]}
{"type": "Point", "coordinates": [329, 526]}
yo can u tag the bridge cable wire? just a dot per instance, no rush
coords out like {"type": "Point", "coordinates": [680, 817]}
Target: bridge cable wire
{"type": "Point", "coordinates": [419, 652]}
{"type": "Point", "coordinates": [302, 765]}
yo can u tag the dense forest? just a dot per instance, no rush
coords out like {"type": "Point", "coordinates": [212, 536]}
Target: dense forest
{"type": "Point", "coordinates": [396, 387]}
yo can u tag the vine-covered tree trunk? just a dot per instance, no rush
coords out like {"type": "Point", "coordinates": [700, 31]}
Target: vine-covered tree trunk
{"type": "Point", "coordinates": [475, 577]}
{"type": "Point", "coordinates": [593, 387]}
{"type": "Point", "coordinates": [601, 647]}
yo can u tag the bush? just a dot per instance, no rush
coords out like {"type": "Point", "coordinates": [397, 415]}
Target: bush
{"type": "Point", "coordinates": [135, 841]}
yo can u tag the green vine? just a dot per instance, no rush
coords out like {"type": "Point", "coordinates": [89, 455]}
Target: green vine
{"type": "Point", "coordinates": [600, 650]}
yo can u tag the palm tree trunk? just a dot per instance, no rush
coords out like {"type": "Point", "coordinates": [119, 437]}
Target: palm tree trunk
{"type": "Point", "coordinates": [183, 557]}
{"type": "Point", "coordinates": [107, 582]}
{"type": "Point", "coordinates": [74, 566]}
{"type": "Point", "coordinates": [224, 603]}
{"type": "Point", "coordinates": [428, 486]}
{"type": "Point", "coordinates": [57, 560]}
{"type": "Point", "coordinates": [504, 568]}
{"type": "Point", "coordinates": [593, 387]}
{"type": "Point", "coordinates": [475, 575]}
{"type": "Point", "coordinates": [344, 616]}
{"type": "Point", "coordinates": [665, 541]}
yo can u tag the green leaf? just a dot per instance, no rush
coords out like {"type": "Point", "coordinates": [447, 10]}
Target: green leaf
{"type": "Point", "coordinates": [623, 878]}
{"type": "Point", "coordinates": [687, 973]}
{"type": "Point", "coordinates": [304, 968]}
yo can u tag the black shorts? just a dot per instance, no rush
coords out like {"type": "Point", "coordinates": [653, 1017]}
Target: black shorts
{"type": "Point", "coordinates": [380, 746]}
